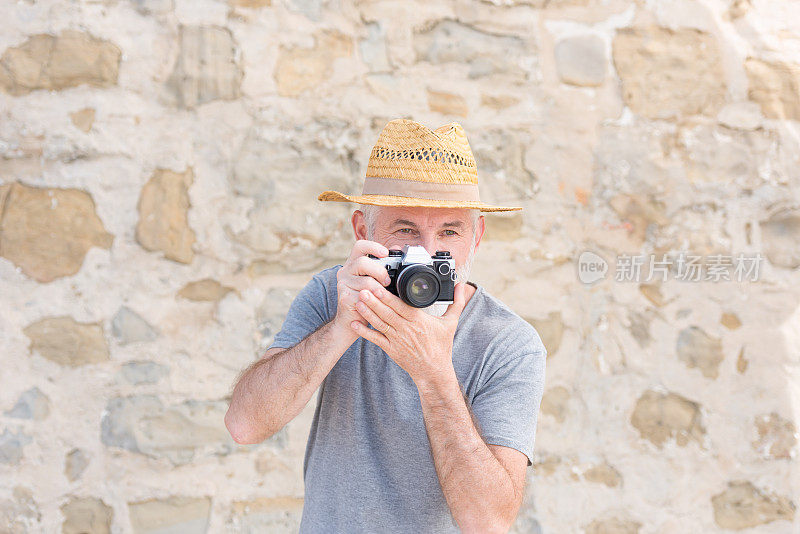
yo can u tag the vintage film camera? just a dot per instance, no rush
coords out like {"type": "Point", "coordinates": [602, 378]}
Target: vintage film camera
{"type": "Point", "coordinates": [418, 278]}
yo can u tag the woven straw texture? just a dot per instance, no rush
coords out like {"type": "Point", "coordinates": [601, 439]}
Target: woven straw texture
{"type": "Point", "coordinates": [408, 150]}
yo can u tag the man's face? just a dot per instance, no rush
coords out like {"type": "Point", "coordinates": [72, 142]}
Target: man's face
{"type": "Point", "coordinates": [434, 228]}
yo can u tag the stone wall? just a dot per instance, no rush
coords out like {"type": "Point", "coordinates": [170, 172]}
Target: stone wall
{"type": "Point", "coordinates": [158, 180]}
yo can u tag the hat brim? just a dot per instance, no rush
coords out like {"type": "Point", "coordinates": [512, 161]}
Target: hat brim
{"type": "Point", "coordinates": [398, 201]}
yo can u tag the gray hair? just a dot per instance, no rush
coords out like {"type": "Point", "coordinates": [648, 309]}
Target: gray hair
{"type": "Point", "coordinates": [371, 215]}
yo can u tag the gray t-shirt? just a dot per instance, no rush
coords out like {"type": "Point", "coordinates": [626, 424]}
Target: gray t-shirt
{"type": "Point", "coordinates": [368, 464]}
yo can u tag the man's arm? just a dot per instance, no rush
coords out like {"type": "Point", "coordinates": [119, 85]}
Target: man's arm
{"type": "Point", "coordinates": [272, 391]}
{"type": "Point", "coordinates": [480, 491]}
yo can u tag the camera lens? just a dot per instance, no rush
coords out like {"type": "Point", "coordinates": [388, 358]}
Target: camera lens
{"type": "Point", "coordinates": [418, 286]}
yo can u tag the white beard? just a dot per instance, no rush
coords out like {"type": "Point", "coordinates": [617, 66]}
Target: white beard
{"type": "Point", "coordinates": [436, 309]}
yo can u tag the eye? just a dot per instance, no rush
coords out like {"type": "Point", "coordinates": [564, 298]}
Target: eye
{"type": "Point", "coordinates": [453, 232]}
{"type": "Point", "coordinates": [403, 231]}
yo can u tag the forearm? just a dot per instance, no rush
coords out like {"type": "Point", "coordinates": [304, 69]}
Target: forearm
{"type": "Point", "coordinates": [274, 390]}
{"type": "Point", "coordinates": [477, 487]}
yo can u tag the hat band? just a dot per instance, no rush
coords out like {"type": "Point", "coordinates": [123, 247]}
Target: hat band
{"type": "Point", "coordinates": [374, 185]}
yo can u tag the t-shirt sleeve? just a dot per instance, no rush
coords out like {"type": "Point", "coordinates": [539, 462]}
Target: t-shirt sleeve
{"type": "Point", "coordinates": [507, 403]}
{"type": "Point", "coordinates": [309, 310]}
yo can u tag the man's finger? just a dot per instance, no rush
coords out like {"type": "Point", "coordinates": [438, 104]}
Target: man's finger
{"type": "Point", "coordinates": [364, 247]}
{"type": "Point", "coordinates": [370, 335]}
{"type": "Point", "coordinates": [459, 301]}
{"type": "Point", "coordinates": [367, 312]}
{"type": "Point", "coordinates": [383, 311]}
{"type": "Point", "coordinates": [397, 305]}
{"type": "Point", "coordinates": [365, 266]}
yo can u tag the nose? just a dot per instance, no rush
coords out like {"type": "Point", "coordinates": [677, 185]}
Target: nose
{"type": "Point", "coordinates": [429, 242]}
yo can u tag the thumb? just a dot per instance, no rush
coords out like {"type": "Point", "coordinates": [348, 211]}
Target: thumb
{"type": "Point", "coordinates": [459, 301]}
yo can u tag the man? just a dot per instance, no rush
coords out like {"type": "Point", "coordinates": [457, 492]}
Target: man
{"type": "Point", "coordinates": [425, 418]}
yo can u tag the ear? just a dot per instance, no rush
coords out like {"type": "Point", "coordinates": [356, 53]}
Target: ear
{"type": "Point", "coordinates": [359, 225]}
{"type": "Point", "coordinates": [479, 229]}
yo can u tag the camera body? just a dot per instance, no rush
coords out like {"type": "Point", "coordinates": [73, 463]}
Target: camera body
{"type": "Point", "coordinates": [418, 278]}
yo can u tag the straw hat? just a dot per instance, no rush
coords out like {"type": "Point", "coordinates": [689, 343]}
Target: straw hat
{"type": "Point", "coordinates": [412, 165]}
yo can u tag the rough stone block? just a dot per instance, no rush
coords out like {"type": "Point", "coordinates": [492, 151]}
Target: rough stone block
{"type": "Point", "coordinates": [581, 60]}
{"type": "Point", "coordinates": [185, 515]}
{"type": "Point", "coordinates": [669, 73]}
{"type": "Point", "coordinates": [47, 231]}
{"type": "Point", "coordinates": [67, 342]}
{"type": "Point", "coordinates": [163, 215]}
{"type": "Point", "coordinates": [56, 62]}
{"type": "Point", "coordinates": [661, 416]}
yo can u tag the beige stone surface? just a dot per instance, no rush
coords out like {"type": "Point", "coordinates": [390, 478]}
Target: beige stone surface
{"type": "Point", "coordinates": [781, 234]}
{"type": "Point", "coordinates": [777, 436]}
{"type": "Point", "coordinates": [32, 404]}
{"type": "Point", "coordinates": [57, 62]}
{"type": "Point", "coordinates": [163, 222]}
{"type": "Point", "coordinates": [176, 514]}
{"type": "Point", "coordinates": [19, 514]}
{"type": "Point", "coordinates": [667, 74]}
{"type": "Point", "coordinates": [742, 505]}
{"type": "Point", "coordinates": [603, 474]}
{"type": "Point", "coordinates": [447, 103]}
{"type": "Point", "coordinates": [613, 525]}
{"type": "Point", "coordinates": [48, 231]}
{"type": "Point", "coordinates": [775, 85]}
{"type": "Point", "coordinates": [204, 290]}
{"type": "Point", "coordinates": [67, 342]}
{"type": "Point", "coordinates": [206, 68]}
{"type": "Point", "coordinates": [83, 119]}
{"type": "Point", "coordinates": [581, 60]}
{"type": "Point", "coordinates": [300, 69]}
{"type": "Point", "coordinates": [267, 514]}
{"type": "Point", "coordinates": [159, 167]}
{"type": "Point", "coordinates": [554, 402]}
{"type": "Point", "coordinates": [697, 349]}
{"type": "Point", "coordinates": [179, 433]}
{"type": "Point", "coordinates": [484, 53]}
{"type": "Point", "coordinates": [551, 330]}
{"type": "Point", "coordinates": [83, 515]}
{"type": "Point", "coordinates": [660, 417]}
{"type": "Point", "coordinates": [75, 464]}
{"type": "Point", "coordinates": [253, 4]}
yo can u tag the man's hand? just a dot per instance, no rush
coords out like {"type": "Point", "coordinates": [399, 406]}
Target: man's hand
{"type": "Point", "coordinates": [418, 342]}
{"type": "Point", "coordinates": [359, 273]}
